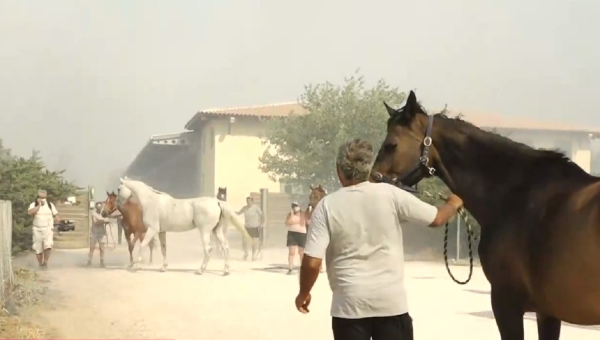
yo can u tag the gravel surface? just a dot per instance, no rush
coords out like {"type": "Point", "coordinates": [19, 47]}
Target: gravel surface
{"type": "Point", "coordinates": [254, 302]}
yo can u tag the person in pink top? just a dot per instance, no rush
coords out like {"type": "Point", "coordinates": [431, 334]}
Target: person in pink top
{"type": "Point", "coordinates": [296, 235]}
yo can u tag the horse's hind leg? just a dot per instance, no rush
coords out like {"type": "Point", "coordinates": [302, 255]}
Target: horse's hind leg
{"type": "Point", "coordinates": [162, 237]}
{"type": "Point", "coordinates": [508, 311]}
{"type": "Point", "coordinates": [224, 247]}
{"type": "Point", "coordinates": [206, 244]}
{"type": "Point", "coordinates": [548, 327]}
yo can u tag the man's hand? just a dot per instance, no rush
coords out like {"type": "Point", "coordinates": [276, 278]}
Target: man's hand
{"type": "Point", "coordinates": [302, 303]}
{"type": "Point", "coordinates": [455, 201]}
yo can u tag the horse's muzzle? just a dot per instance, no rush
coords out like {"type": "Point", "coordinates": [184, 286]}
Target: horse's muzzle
{"type": "Point", "coordinates": [379, 178]}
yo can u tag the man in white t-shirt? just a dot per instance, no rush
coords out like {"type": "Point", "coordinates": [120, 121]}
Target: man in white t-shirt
{"type": "Point", "coordinates": [44, 215]}
{"type": "Point", "coordinates": [358, 229]}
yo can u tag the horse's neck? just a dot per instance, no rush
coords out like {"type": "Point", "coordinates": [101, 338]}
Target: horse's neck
{"type": "Point", "coordinates": [492, 176]}
{"type": "Point", "coordinates": [469, 167]}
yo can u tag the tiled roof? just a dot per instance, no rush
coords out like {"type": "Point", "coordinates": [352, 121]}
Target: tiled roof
{"type": "Point", "coordinates": [478, 119]}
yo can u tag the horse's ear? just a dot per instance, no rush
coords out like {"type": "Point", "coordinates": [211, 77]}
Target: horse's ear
{"type": "Point", "coordinates": [320, 187]}
{"type": "Point", "coordinates": [107, 194]}
{"type": "Point", "coordinates": [121, 179]}
{"type": "Point", "coordinates": [412, 107]}
{"type": "Point", "coordinates": [390, 111]}
{"type": "Point", "coordinates": [312, 187]}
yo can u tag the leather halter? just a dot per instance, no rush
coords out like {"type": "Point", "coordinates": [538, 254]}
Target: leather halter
{"type": "Point", "coordinates": [422, 162]}
{"type": "Point", "coordinates": [424, 159]}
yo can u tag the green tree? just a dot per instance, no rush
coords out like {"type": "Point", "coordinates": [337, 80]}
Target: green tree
{"type": "Point", "coordinates": [20, 179]}
{"type": "Point", "coordinates": [302, 148]}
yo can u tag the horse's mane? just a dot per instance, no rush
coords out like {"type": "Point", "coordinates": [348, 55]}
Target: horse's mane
{"type": "Point", "coordinates": [502, 144]}
{"type": "Point", "coordinates": [150, 188]}
{"type": "Point", "coordinates": [511, 148]}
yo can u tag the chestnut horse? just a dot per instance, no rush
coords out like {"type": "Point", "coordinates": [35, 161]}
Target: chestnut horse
{"type": "Point", "coordinates": [132, 224]}
{"type": "Point", "coordinates": [316, 195]}
{"type": "Point", "coordinates": [539, 214]}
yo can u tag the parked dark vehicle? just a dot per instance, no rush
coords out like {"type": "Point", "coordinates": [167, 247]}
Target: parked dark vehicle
{"type": "Point", "coordinates": [65, 225]}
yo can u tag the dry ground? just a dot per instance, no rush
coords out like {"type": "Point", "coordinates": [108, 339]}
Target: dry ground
{"type": "Point", "coordinates": [254, 302]}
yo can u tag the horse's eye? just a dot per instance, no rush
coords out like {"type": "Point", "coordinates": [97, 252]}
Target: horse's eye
{"type": "Point", "coordinates": [391, 147]}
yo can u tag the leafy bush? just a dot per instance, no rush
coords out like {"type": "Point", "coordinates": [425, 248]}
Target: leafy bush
{"type": "Point", "coordinates": [20, 179]}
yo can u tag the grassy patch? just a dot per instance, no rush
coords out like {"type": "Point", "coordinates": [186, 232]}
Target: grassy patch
{"type": "Point", "coordinates": [25, 294]}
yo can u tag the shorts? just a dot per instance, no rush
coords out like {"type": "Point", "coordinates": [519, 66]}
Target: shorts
{"type": "Point", "coordinates": [296, 239]}
{"type": "Point", "coordinates": [43, 238]}
{"type": "Point", "coordinates": [397, 327]}
{"type": "Point", "coordinates": [254, 232]}
{"type": "Point", "coordinates": [97, 236]}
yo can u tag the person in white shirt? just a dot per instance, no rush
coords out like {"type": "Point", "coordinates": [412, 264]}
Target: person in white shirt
{"type": "Point", "coordinates": [44, 215]}
{"type": "Point", "coordinates": [358, 229]}
{"type": "Point", "coordinates": [97, 235]}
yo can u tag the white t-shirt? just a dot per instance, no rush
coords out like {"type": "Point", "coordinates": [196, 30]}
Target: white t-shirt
{"type": "Point", "coordinates": [44, 218]}
{"type": "Point", "coordinates": [358, 230]}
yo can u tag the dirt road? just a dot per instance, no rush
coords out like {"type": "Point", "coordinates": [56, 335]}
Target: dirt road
{"type": "Point", "coordinates": [254, 302]}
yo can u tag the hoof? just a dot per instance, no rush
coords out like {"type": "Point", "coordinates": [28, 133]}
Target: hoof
{"type": "Point", "coordinates": [226, 274]}
{"type": "Point", "coordinates": [130, 265]}
{"type": "Point", "coordinates": [198, 272]}
{"type": "Point", "coordinates": [163, 269]}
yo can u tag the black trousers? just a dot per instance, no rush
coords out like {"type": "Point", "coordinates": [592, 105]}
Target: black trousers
{"type": "Point", "coordinates": [398, 327]}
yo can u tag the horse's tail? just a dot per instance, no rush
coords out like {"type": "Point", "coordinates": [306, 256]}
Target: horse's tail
{"type": "Point", "coordinates": [230, 216]}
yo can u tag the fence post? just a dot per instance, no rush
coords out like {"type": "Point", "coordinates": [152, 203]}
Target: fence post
{"type": "Point", "coordinates": [6, 271]}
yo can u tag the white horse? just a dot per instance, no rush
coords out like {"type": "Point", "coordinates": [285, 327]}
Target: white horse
{"type": "Point", "coordinates": [163, 213]}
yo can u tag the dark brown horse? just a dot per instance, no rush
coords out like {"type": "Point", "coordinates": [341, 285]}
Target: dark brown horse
{"type": "Point", "coordinates": [222, 194]}
{"type": "Point", "coordinates": [132, 224]}
{"type": "Point", "coordinates": [539, 214]}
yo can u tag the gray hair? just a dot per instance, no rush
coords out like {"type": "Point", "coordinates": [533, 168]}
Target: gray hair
{"type": "Point", "coordinates": [354, 159]}
{"type": "Point", "coordinates": [42, 192]}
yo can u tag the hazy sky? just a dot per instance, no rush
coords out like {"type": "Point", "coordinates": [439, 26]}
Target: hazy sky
{"type": "Point", "coordinates": [87, 82]}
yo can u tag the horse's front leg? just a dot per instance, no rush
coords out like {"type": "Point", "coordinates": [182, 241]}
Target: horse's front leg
{"type": "Point", "coordinates": [548, 327]}
{"type": "Point", "coordinates": [162, 238]}
{"type": "Point", "coordinates": [508, 310]}
{"type": "Point", "coordinates": [207, 245]}
{"type": "Point", "coordinates": [130, 245]}
{"type": "Point", "coordinates": [151, 246]}
{"type": "Point", "coordinates": [136, 238]}
{"type": "Point", "coordinates": [146, 238]}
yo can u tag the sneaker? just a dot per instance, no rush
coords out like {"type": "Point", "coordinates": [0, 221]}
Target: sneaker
{"type": "Point", "coordinates": [102, 265]}
{"type": "Point", "coordinates": [290, 271]}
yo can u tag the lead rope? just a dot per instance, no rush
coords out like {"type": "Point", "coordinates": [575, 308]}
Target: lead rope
{"type": "Point", "coordinates": [462, 213]}
{"type": "Point", "coordinates": [114, 244]}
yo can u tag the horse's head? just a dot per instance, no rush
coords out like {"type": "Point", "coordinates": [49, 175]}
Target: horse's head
{"type": "Point", "coordinates": [222, 194]}
{"type": "Point", "coordinates": [316, 194]}
{"type": "Point", "coordinates": [123, 193]}
{"type": "Point", "coordinates": [110, 205]}
{"type": "Point", "coordinates": [407, 154]}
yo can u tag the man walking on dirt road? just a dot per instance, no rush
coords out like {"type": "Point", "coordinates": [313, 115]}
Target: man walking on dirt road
{"type": "Point", "coordinates": [359, 227]}
{"type": "Point", "coordinates": [44, 215]}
